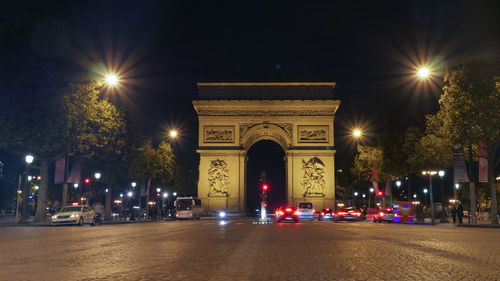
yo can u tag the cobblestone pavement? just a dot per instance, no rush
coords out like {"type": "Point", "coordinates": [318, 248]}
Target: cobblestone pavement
{"type": "Point", "coordinates": [240, 250]}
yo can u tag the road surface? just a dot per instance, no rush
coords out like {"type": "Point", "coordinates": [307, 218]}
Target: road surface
{"type": "Point", "coordinates": [240, 250]}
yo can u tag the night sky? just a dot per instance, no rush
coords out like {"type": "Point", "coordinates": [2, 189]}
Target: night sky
{"type": "Point", "coordinates": [371, 49]}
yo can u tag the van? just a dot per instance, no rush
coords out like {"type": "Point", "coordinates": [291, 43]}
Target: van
{"type": "Point", "coordinates": [188, 208]}
{"type": "Point", "coordinates": [306, 210]}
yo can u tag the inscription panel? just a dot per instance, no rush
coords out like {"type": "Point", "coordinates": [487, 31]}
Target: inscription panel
{"type": "Point", "coordinates": [218, 134]}
{"type": "Point", "coordinates": [312, 133]}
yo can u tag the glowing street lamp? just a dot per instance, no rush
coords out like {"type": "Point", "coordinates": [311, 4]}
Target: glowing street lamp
{"type": "Point", "coordinates": [75, 185]}
{"type": "Point", "coordinates": [130, 194]}
{"type": "Point", "coordinates": [134, 184]}
{"type": "Point", "coordinates": [175, 193]}
{"type": "Point", "coordinates": [423, 72]}
{"type": "Point", "coordinates": [173, 133]}
{"type": "Point", "coordinates": [97, 175]}
{"type": "Point", "coordinates": [112, 79]}
{"type": "Point", "coordinates": [165, 194]}
{"type": "Point", "coordinates": [29, 159]}
{"type": "Point", "coordinates": [357, 133]}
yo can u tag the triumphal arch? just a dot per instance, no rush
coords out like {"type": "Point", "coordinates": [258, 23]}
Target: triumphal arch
{"type": "Point", "coordinates": [297, 116]}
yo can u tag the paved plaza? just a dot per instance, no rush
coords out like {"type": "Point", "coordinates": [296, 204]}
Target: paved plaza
{"type": "Point", "coordinates": [239, 250]}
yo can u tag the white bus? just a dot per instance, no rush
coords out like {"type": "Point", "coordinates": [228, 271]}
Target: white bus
{"type": "Point", "coordinates": [188, 208]}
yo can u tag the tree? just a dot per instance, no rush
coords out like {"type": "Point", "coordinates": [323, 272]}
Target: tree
{"type": "Point", "coordinates": [152, 164]}
{"type": "Point", "coordinates": [469, 114]}
{"type": "Point", "coordinates": [43, 112]}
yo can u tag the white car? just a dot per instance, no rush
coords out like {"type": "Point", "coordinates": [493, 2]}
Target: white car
{"type": "Point", "coordinates": [79, 214]}
{"type": "Point", "coordinates": [305, 210]}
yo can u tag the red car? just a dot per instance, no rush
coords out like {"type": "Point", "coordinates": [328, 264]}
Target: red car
{"type": "Point", "coordinates": [287, 214]}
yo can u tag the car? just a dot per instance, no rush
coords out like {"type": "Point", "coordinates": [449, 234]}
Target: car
{"type": "Point", "coordinates": [75, 214]}
{"type": "Point", "coordinates": [287, 213]}
{"type": "Point", "coordinates": [348, 214]}
{"type": "Point", "coordinates": [306, 210]}
{"type": "Point", "coordinates": [386, 215]}
{"type": "Point", "coordinates": [326, 214]}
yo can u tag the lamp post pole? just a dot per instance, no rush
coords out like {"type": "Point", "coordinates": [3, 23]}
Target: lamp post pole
{"type": "Point", "coordinates": [443, 214]}
{"type": "Point", "coordinates": [431, 173]}
{"type": "Point", "coordinates": [25, 215]}
{"type": "Point", "coordinates": [370, 196]}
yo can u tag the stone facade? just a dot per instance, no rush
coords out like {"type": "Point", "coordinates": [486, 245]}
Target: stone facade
{"type": "Point", "coordinates": [303, 128]}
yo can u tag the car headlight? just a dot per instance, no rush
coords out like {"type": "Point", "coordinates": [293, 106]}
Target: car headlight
{"type": "Point", "coordinates": [73, 215]}
{"type": "Point", "coordinates": [54, 217]}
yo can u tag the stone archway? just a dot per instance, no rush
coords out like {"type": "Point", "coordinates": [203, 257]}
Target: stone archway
{"type": "Point", "coordinates": [230, 125]}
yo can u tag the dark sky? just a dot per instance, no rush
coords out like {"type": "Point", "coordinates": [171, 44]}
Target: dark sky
{"type": "Point", "coordinates": [369, 48]}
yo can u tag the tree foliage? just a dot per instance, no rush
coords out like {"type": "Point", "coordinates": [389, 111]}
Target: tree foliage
{"type": "Point", "coordinates": [366, 158]}
{"type": "Point", "coordinates": [149, 163]}
{"type": "Point", "coordinates": [469, 114]}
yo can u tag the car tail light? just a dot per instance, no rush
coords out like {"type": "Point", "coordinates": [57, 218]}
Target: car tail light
{"type": "Point", "coordinates": [322, 213]}
{"type": "Point", "coordinates": [333, 214]}
{"type": "Point", "coordinates": [296, 213]}
{"type": "Point", "coordinates": [381, 214]}
{"type": "Point", "coordinates": [288, 209]}
{"type": "Point", "coordinates": [281, 213]}
{"type": "Point", "coordinates": [356, 214]}
{"type": "Point", "coordinates": [388, 209]}
{"type": "Point", "coordinates": [342, 213]}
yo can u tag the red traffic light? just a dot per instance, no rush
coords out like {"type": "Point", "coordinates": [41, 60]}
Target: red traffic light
{"type": "Point", "coordinates": [158, 194]}
{"type": "Point", "coordinates": [265, 187]}
{"type": "Point", "coordinates": [87, 180]}
{"type": "Point", "coordinates": [380, 193]}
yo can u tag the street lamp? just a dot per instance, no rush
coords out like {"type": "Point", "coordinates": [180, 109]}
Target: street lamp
{"type": "Point", "coordinates": [133, 184]}
{"type": "Point", "coordinates": [158, 190]}
{"type": "Point", "coordinates": [29, 159]}
{"type": "Point", "coordinates": [357, 133]}
{"type": "Point", "coordinates": [112, 79]}
{"type": "Point", "coordinates": [423, 72]}
{"type": "Point", "coordinates": [441, 174]}
{"type": "Point", "coordinates": [370, 196]}
{"type": "Point", "coordinates": [175, 193]}
{"type": "Point", "coordinates": [75, 185]}
{"type": "Point", "coordinates": [430, 174]}
{"type": "Point", "coordinates": [97, 175]}
{"type": "Point", "coordinates": [130, 194]}
{"type": "Point", "coordinates": [173, 133]}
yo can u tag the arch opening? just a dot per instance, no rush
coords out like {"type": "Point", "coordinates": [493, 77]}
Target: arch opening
{"type": "Point", "coordinates": [266, 164]}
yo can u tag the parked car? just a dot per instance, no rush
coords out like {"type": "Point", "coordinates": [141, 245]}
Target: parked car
{"type": "Point", "coordinates": [306, 210]}
{"type": "Point", "coordinates": [76, 214]}
{"type": "Point", "coordinates": [287, 213]}
{"type": "Point", "coordinates": [386, 215]}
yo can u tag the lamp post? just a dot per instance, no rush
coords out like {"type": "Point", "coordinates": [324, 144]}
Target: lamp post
{"type": "Point", "coordinates": [25, 216]}
{"type": "Point", "coordinates": [444, 219]}
{"type": "Point", "coordinates": [430, 174]}
{"type": "Point", "coordinates": [398, 184]}
{"type": "Point", "coordinates": [370, 195]}
{"type": "Point", "coordinates": [355, 197]}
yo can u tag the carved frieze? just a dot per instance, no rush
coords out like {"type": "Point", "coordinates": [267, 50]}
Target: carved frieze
{"type": "Point", "coordinates": [214, 134]}
{"type": "Point", "coordinates": [218, 178]}
{"type": "Point", "coordinates": [313, 181]}
{"type": "Point", "coordinates": [312, 133]}
{"type": "Point", "coordinates": [286, 127]}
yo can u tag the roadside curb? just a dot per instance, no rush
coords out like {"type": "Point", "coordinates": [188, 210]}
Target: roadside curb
{"type": "Point", "coordinates": [479, 225]}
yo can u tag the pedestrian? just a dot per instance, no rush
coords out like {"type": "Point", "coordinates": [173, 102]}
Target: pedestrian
{"type": "Point", "coordinates": [460, 213]}
{"type": "Point", "coordinates": [454, 213]}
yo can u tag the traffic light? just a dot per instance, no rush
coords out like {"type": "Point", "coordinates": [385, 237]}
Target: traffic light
{"type": "Point", "coordinates": [265, 187]}
{"type": "Point", "coordinates": [86, 180]}
{"type": "Point", "coordinates": [380, 193]}
{"type": "Point", "coordinates": [158, 195]}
